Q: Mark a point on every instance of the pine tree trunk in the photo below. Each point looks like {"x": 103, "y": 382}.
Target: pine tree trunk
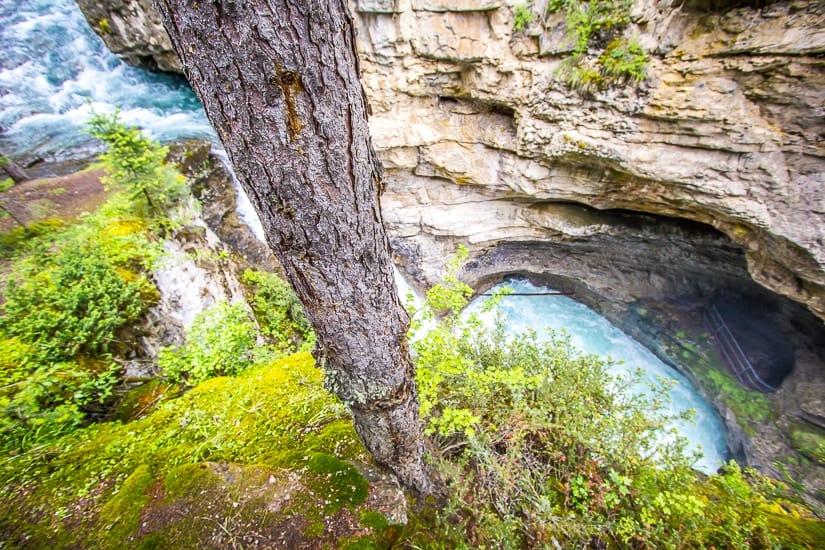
{"x": 280, "y": 84}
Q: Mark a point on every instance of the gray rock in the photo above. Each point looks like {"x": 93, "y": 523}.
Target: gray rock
{"x": 132, "y": 29}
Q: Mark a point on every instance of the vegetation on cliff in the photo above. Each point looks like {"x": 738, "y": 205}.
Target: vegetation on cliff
{"x": 600, "y": 53}
{"x": 539, "y": 445}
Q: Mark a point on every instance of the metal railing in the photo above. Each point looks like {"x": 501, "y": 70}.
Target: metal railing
{"x": 740, "y": 365}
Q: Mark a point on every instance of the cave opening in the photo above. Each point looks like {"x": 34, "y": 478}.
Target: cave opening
{"x": 660, "y": 278}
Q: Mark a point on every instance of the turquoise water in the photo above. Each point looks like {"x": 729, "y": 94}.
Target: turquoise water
{"x": 54, "y": 70}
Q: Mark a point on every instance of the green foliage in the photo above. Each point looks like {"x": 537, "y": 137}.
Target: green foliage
{"x": 86, "y": 490}
{"x": 279, "y": 312}
{"x": 523, "y": 15}
{"x": 597, "y": 25}
{"x": 541, "y": 445}
{"x": 137, "y": 163}
{"x": 747, "y": 405}
{"x": 219, "y": 343}
{"x": 623, "y": 59}
{"x": 6, "y": 184}
{"x": 20, "y": 239}
{"x": 809, "y": 441}
{"x": 69, "y": 292}
{"x": 72, "y": 303}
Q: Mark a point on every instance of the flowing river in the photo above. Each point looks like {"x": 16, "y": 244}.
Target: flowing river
{"x": 54, "y": 71}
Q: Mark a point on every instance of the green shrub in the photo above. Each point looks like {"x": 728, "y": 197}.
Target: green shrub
{"x": 70, "y": 305}
{"x": 219, "y": 343}
{"x": 624, "y": 60}
{"x": 522, "y": 15}
{"x": 279, "y": 312}
{"x": 542, "y": 446}
{"x": 137, "y": 163}
{"x": 597, "y": 25}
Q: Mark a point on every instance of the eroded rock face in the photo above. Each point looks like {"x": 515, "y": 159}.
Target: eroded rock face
{"x": 726, "y": 131}
{"x": 478, "y": 135}
{"x": 132, "y": 29}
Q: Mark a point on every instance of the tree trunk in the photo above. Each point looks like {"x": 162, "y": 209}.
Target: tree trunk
{"x": 280, "y": 84}
{"x": 14, "y": 170}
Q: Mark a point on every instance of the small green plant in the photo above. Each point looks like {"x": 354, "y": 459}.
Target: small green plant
{"x": 623, "y": 59}
{"x": 522, "y": 15}
{"x": 598, "y": 25}
{"x": 137, "y": 163}
{"x": 279, "y": 312}
{"x": 219, "y": 343}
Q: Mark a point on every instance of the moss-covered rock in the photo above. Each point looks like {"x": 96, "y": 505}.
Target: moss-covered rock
{"x": 265, "y": 458}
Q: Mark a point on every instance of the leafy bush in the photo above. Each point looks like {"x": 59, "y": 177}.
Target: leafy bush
{"x": 623, "y": 59}
{"x": 543, "y": 447}
{"x": 70, "y": 305}
{"x": 70, "y": 291}
{"x": 219, "y": 343}
{"x": 279, "y": 312}
{"x": 597, "y": 24}
{"x": 522, "y": 16}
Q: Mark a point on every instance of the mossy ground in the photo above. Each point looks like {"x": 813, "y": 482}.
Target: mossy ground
{"x": 262, "y": 459}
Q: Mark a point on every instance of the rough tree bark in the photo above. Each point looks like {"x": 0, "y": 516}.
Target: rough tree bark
{"x": 280, "y": 83}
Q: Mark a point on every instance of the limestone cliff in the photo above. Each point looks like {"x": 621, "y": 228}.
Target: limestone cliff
{"x": 471, "y": 115}
{"x": 480, "y": 136}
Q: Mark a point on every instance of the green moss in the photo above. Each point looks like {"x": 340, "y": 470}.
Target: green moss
{"x": 373, "y": 519}
{"x": 361, "y": 543}
{"x": 336, "y": 481}
{"x": 809, "y": 441}
{"x": 187, "y": 479}
{"x": 257, "y": 419}
{"x": 141, "y": 400}
{"x": 797, "y": 533}
{"x": 120, "y": 516}
{"x": 746, "y": 404}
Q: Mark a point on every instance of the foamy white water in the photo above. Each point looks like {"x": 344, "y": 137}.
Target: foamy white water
{"x": 54, "y": 71}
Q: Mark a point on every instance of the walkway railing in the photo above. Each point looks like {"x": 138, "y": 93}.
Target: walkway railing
{"x": 740, "y": 365}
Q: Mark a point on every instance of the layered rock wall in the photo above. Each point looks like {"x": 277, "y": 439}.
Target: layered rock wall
{"x": 480, "y": 137}
{"x": 479, "y": 134}
{"x": 132, "y": 29}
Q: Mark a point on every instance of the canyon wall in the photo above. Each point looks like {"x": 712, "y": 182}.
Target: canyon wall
{"x": 482, "y": 139}
{"x": 647, "y": 200}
